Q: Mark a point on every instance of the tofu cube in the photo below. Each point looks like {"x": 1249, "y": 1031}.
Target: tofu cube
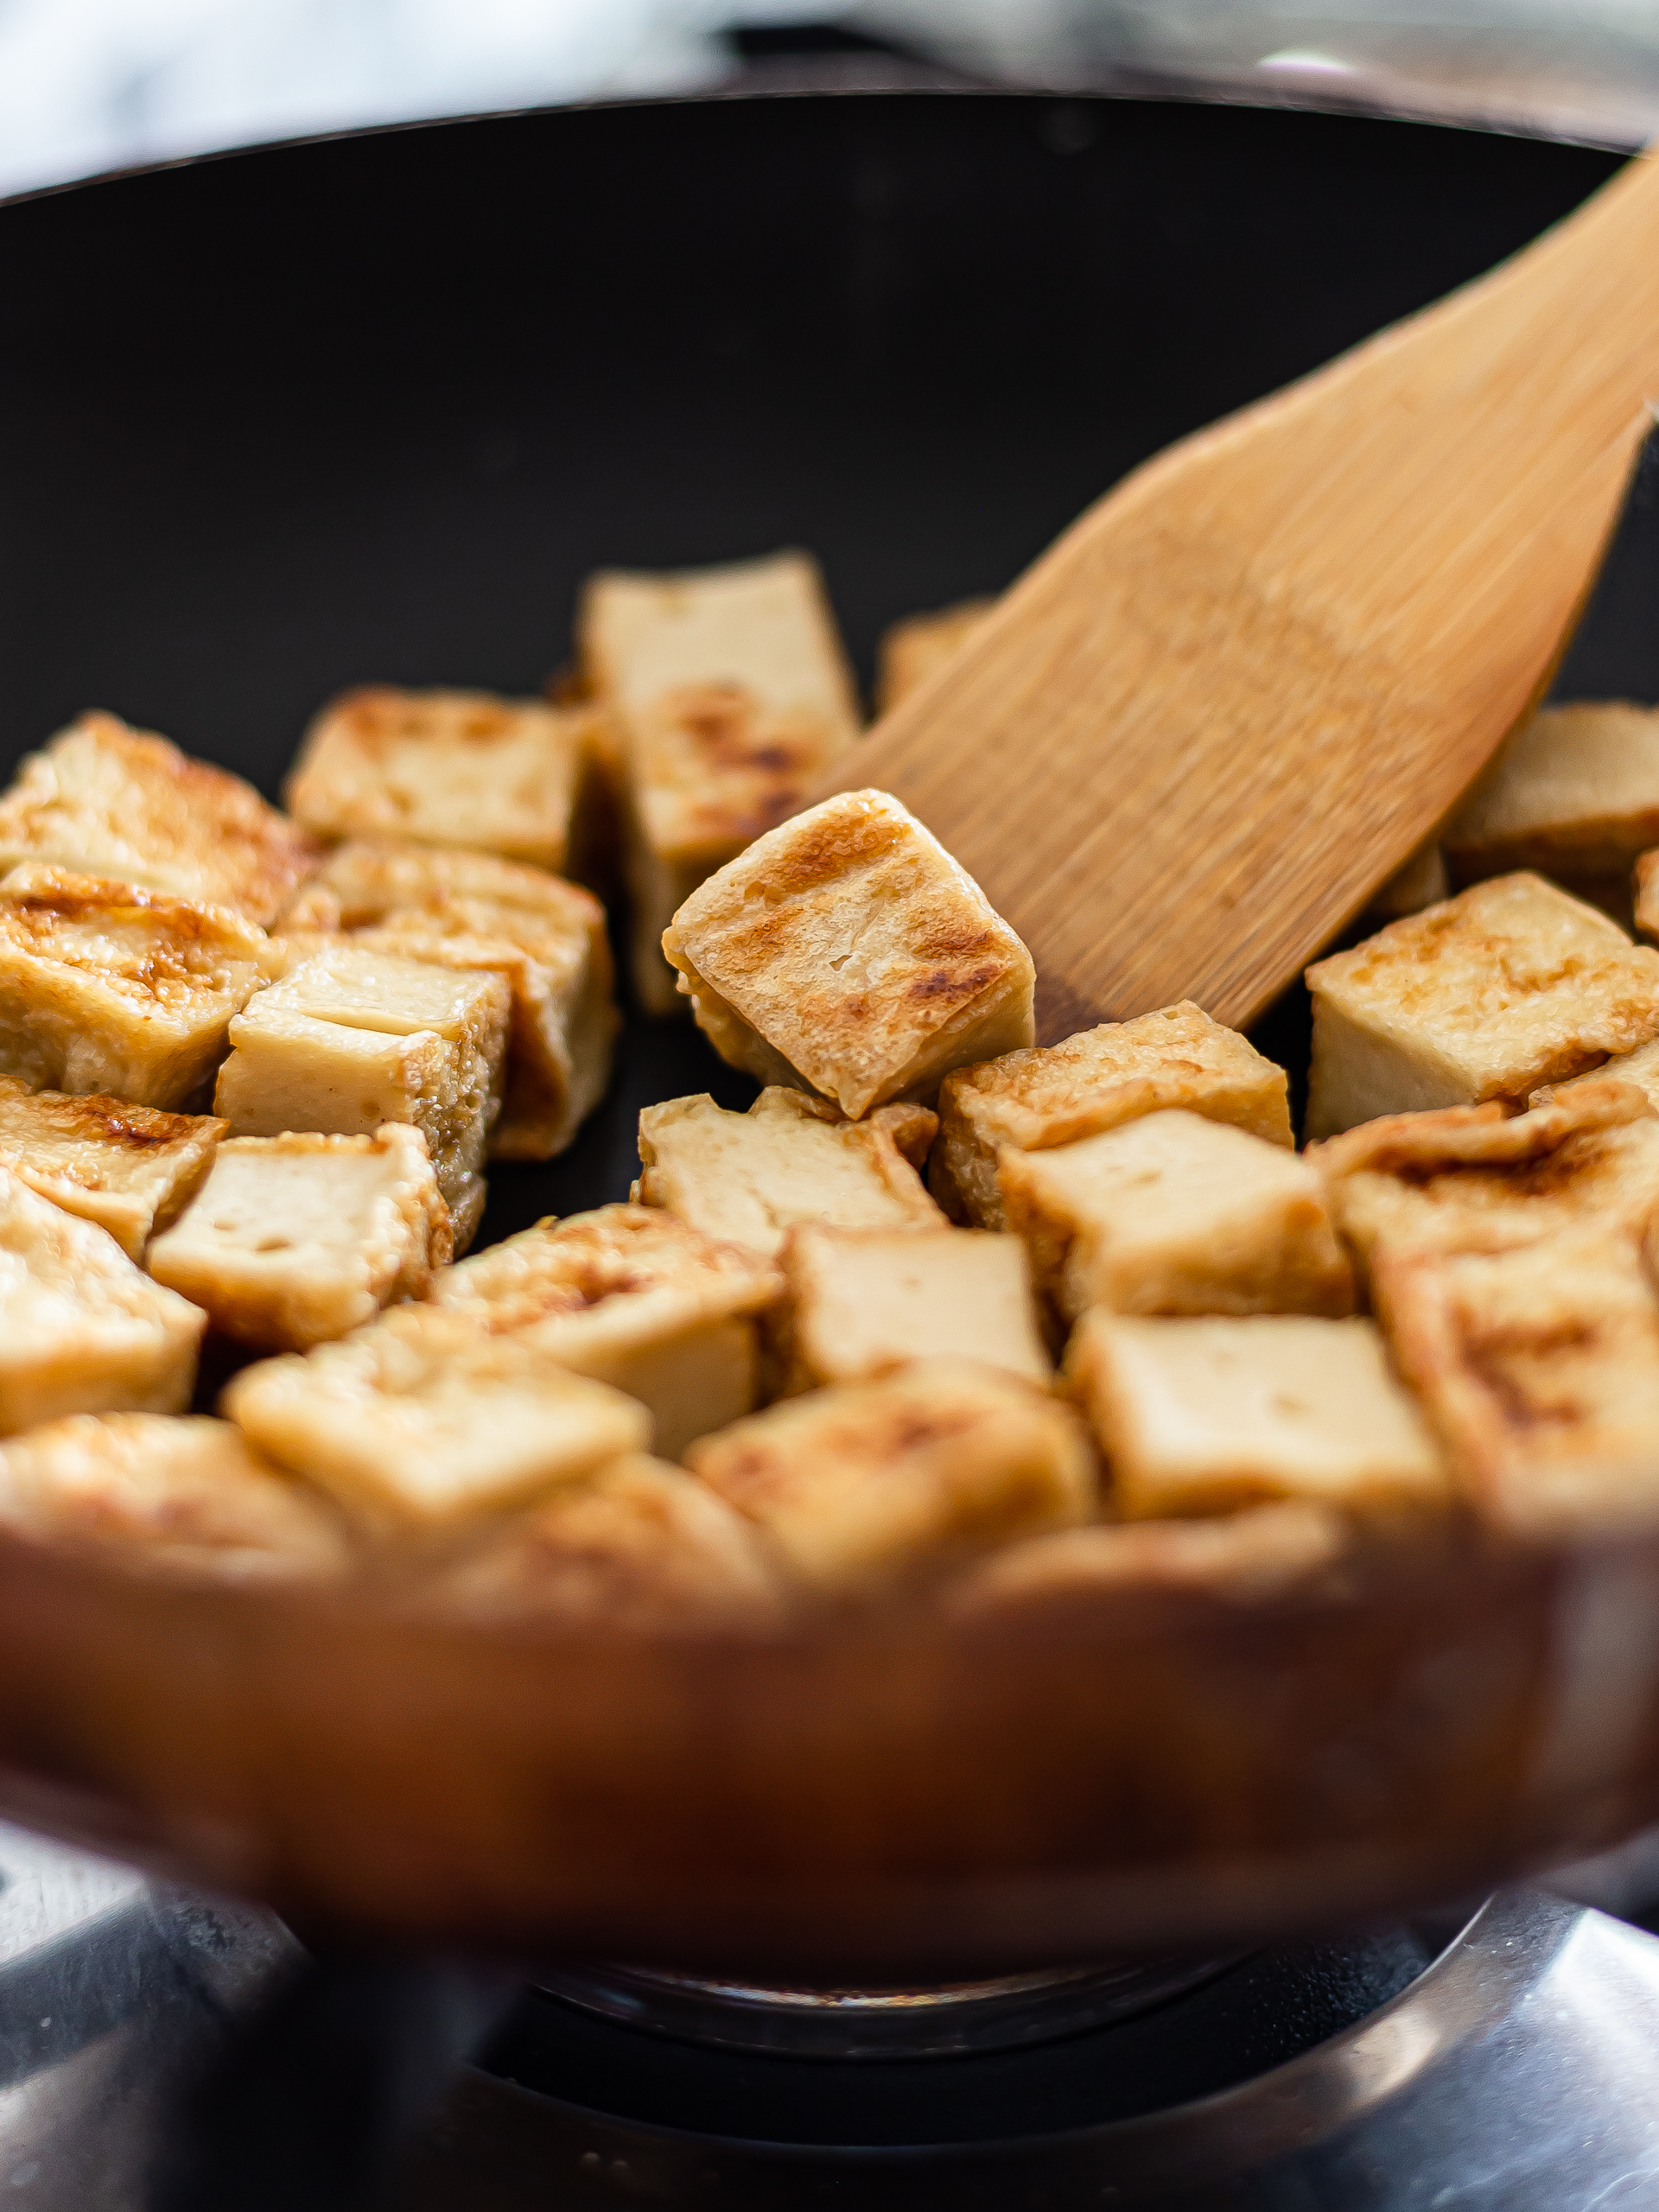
{"x": 1487, "y": 995}
{"x": 849, "y": 953}
{"x": 1640, "y": 1067}
{"x": 638, "y": 1546}
{"x": 423, "y": 1425}
{"x": 912, "y": 649}
{"x": 730, "y": 695}
{"x": 1471, "y": 1178}
{"x": 82, "y": 1330}
{"x": 184, "y": 1497}
{"x": 106, "y": 988}
{"x": 870, "y": 1485}
{"x": 298, "y": 1239}
{"x": 1573, "y": 793}
{"x": 104, "y": 800}
{"x": 1057, "y": 1094}
{"x": 128, "y": 1168}
{"x": 445, "y": 768}
{"x": 858, "y": 1302}
{"x": 1246, "y": 1558}
{"x": 789, "y": 1161}
{"x": 1206, "y": 1416}
{"x": 1173, "y": 1214}
{"x": 634, "y": 1298}
{"x": 1540, "y": 1368}
{"x": 353, "y": 1037}
{"x": 470, "y": 909}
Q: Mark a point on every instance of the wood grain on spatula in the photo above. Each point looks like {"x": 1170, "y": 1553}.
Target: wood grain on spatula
{"x": 1231, "y": 698}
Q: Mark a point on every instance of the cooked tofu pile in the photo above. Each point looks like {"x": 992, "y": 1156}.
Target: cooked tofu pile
{"x": 944, "y": 1318}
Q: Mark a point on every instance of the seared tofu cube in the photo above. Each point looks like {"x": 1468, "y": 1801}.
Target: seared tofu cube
{"x": 184, "y": 1498}
{"x": 730, "y": 695}
{"x": 858, "y": 1302}
{"x": 298, "y": 1239}
{"x": 1640, "y": 1067}
{"x": 104, "y": 800}
{"x": 1206, "y": 1416}
{"x": 470, "y": 909}
{"x": 634, "y": 1298}
{"x": 872, "y": 1485}
{"x": 1472, "y": 1179}
{"x": 82, "y": 1330}
{"x": 422, "y": 1424}
{"x": 1057, "y": 1094}
{"x": 353, "y": 1037}
{"x": 912, "y": 649}
{"x": 128, "y": 1168}
{"x": 445, "y": 768}
{"x": 847, "y": 952}
{"x": 1573, "y": 793}
{"x": 109, "y": 988}
{"x": 1540, "y": 1368}
{"x": 1246, "y": 1558}
{"x": 1487, "y": 995}
{"x": 790, "y": 1159}
{"x": 638, "y": 1546}
{"x": 1173, "y": 1214}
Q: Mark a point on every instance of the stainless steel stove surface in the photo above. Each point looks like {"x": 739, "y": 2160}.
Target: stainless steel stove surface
{"x": 1511, "y": 2062}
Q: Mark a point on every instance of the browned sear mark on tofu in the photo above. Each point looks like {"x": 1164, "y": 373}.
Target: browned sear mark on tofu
{"x": 944, "y": 985}
{"x": 112, "y": 1120}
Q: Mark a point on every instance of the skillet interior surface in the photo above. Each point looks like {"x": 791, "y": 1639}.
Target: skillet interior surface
{"x": 369, "y": 409}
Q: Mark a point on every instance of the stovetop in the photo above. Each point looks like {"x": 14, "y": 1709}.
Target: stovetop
{"x": 1507, "y": 2059}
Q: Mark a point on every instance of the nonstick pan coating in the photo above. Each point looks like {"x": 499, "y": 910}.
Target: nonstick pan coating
{"x": 368, "y": 410}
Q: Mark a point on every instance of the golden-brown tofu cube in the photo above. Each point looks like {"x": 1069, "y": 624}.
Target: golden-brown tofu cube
{"x": 298, "y": 1239}
{"x": 1487, "y": 995}
{"x": 445, "y": 768}
{"x": 1173, "y": 1214}
{"x": 638, "y": 1546}
{"x": 858, "y": 1302}
{"x": 422, "y": 1423}
{"x": 107, "y": 988}
{"x": 1057, "y": 1094}
{"x": 730, "y": 695}
{"x": 470, "y": 909}
{"x": 789, "y": 1161}
{"x": 355, "y": 1037}
{"x": 128, "y": 1168}
{"x": 849, "y": 953}
{"x": 635, "y": 1298}
{"x": 1206, "y": 1416}
{"x": 82, "y": 1330}
{"x": 1573, "y": 793}
{"x": 1540, "y": 1368}
{"x": 1247, "y": 1558}
{"x": 1640, "y": 1067}
{"x": 181, "y": 1496}
{"x": 912, "y": 649}
{"x": 872, "y": 1485}
{"x": 1472, "y": 1179}
{"x": 104, "y": 800}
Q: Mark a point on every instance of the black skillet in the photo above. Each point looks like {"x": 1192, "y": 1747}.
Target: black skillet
{"x": 369, "y": 409}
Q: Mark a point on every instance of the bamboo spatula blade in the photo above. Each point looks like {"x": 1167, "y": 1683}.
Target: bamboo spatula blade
{"x": 1235, "y": 694}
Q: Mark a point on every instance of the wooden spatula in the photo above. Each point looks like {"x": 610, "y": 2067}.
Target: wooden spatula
{"x": 1226, "y": 705}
